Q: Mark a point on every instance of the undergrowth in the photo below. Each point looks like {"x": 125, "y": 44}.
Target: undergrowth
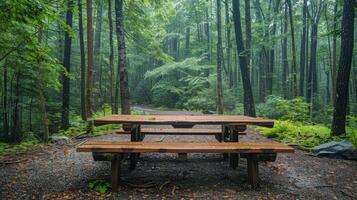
{"x": 305, "y": 136}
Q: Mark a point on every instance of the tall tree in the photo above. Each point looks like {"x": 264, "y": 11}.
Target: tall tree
{"x": 111, "y": 59}
{"x": 284, "y": 56}
{"x": 123, "y": 74}
{"x": 229, "y": 44}
{"x": 98, "y": 75}
{"x": 90, "y": 62}
{"x": 5, "y": 104}
{"x": 67, "y": 66}
{"x": 249, "y": 108}
{"x": 314, "y": 15}
{"x": 334, "y": 52}
{"x": 303, "y": 50}
{"x": 293, "y": 68}
{"x": 219, "y": 60}
{"x": 248, "y": 30}
{"x": 342, "y": 84}
{"x": 83, "y": 61}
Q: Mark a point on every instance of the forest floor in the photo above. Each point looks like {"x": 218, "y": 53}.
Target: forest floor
{"x": 59, "y": 172}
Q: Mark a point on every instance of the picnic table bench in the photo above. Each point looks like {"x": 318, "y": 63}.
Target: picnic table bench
{"x": 228, "y": 140}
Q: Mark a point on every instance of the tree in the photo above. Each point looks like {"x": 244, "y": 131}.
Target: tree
{"x": 293, "y": 68}
{"x": 111, "y": 59}
{"x": 344, "y": 70}
{"x": 90, "y": 62}
{"x": 334, "y": 52}
{"x": 284, "y": 56}
{"x": 83, "y": 62}
{"x": 67, "y": 66}
{"x": 122, "y": 71}
{"x": 219, "y": 60}
{"x": 97, "y": 54}
{"x": 249, "y": 108}
{"x": 303, "y": 50}
{"x": 314, "y": 17}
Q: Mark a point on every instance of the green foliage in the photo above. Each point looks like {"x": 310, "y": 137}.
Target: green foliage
{"x": 305, "y": 136}
{"x": 99, "y": 186}
{"x": 26, "y": 144}
{"x": 276, "y": 107}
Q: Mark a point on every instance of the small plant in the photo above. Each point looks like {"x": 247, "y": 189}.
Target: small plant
{"x": 99, "y": 186}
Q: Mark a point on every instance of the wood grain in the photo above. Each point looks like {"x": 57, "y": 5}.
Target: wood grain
{"x": 176, "y": 131}
{"x": 234, "y": 120}
{"x": 173, "y": 147}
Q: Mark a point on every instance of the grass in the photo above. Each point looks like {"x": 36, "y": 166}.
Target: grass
{"x": 305, "y": 136}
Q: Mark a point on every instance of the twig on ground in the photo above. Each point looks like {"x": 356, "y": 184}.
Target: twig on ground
{"x": 145, "y": 185}
{"x": 165, "y": 183}
{"x": 173, "y": 191}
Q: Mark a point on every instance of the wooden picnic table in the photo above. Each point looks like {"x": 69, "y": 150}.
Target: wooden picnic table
{"x": 232, "y": 125}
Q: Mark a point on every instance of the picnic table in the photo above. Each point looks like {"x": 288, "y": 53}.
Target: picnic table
{"x": 228, "y": 139}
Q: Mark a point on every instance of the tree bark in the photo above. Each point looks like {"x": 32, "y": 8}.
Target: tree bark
{"x": 303, "y": 50}
{"x": 249, "y": 108}
{"x": 90, "y": 67}
{"x": 67, "y": 66}
{"x": 284, "y": 55}
{"x": 111, "y": 60}
{"x": 5, "y": 106}
{"x": 219, "y": 60}
{"x": 123, "y": 74}
{"x": 248, "y": 30}
{"x": 342, "y": 84}
{"x": 83, "y": 62}
{"x": 293, "y": 68}
{"x": 229, "y": 45}
{"x": 98, "y": 74}
{"x": 334, "y": 53}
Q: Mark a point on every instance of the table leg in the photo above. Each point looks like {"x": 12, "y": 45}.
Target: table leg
{"x": 135, "y": 136}
{"x": 233, "y": 132}
{"x": 115, "y": 171}
{"x": 253, "y": 170}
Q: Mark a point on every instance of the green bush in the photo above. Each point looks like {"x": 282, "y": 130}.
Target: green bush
{"x": 276, "y": 107}
{"x": 99, "y": 186}
{"x": 305, "y": 136}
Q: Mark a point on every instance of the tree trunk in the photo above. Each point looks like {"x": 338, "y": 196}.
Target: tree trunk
{"x": 339, "y": 113}
{"x": 15, "y": 112}
{"x": 90, "y": 67}
{"x": 293, "y": 68}
{"x": 219, "y": 60}
{"x": 83, "y": 62}
{"x": 249, "y": 108}
{"x": 111, "y": 60}
{"x": 229, "y": 45}
{"x": 67, "y": 66}
{"x": 312, "y": 77}
{"x": 98, "y": 74}
{"x": 303, "y": 50}
{"x": 284, "y": 55}
{"x": 6, "y": 109}
{"x": 123, "y": 74}
{"x": 187, "y": 41}
{"x": 248, "y": 31}
{"x": 334, "y": 53}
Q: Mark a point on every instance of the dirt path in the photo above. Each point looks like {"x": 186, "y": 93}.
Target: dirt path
{"x": 59, "y": 172}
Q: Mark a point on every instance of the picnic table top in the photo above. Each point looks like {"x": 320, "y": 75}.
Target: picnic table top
{"x": 183, "y": 120}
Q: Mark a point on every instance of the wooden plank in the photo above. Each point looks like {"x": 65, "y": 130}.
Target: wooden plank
{"x": 176, "y": 131}
{"x": 151, "y": 147}
{"x": 184, "y": 120}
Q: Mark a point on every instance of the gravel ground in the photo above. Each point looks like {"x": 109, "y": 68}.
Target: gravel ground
{"x": 59, "y": 172}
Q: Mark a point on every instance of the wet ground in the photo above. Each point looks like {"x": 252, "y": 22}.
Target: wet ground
{"x": 59, "y": 172}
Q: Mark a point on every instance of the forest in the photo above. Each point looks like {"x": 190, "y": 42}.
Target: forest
{"x": 65, "y": 62}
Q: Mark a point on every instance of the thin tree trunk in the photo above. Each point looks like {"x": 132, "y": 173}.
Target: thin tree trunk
{"x": 312, "y": 77}
{"x": 67, "y": 66}
{"x": 219, "y": 60}
{"x": 187, "y": 41}
{"x": 83, "y": 62}
{"x": 90, "y": 67}
{"x": 293, "y": 69}
{"x": 248, "y": 31}
{"x": 98, "y": 74}
{"x": 111, "y": 60}
{"x": 5, "y": 106}
{"x": 123, "y": 74}
{"x": 284, "y": 55}
{"x": 342, "y": 84}
{"x": 303, "y": 50}
{"x": 249, "y": 108}
{"x": 334, "y": 53}
{"x": 15, "y": 112}
{"x": 229, "y": 45}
